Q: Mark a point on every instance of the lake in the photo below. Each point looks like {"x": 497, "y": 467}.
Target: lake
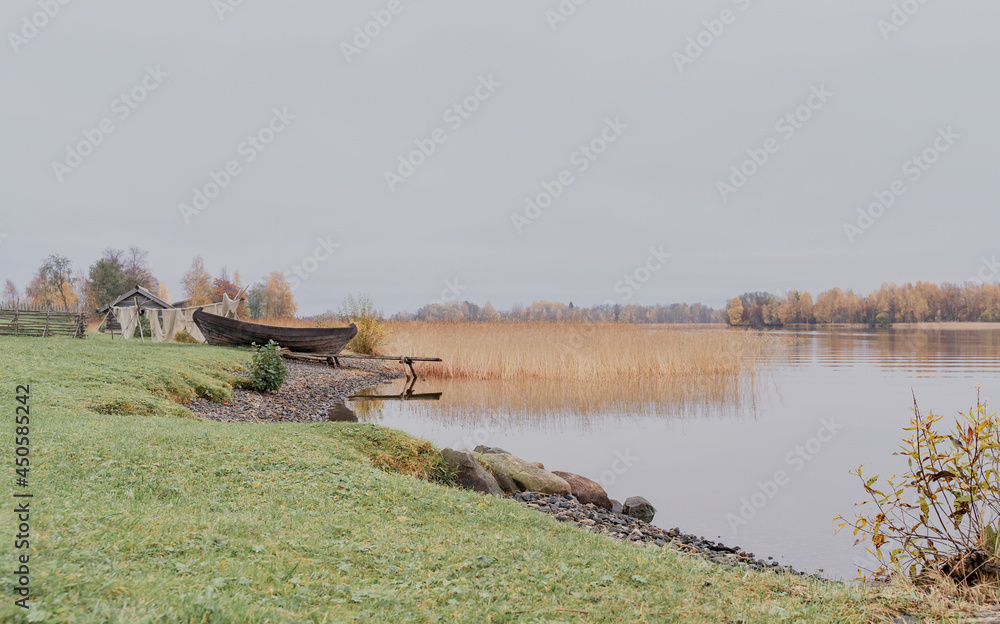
{"x": 759, "y": 463}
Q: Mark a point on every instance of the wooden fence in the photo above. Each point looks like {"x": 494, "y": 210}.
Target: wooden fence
{"x": 16, "y": 321}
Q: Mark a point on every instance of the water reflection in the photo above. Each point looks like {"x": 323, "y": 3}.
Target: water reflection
{"x": 407, "y": 394}
{"x": 539, "y": 402}
{"x": 341, "y": 413}
{"x": 926, "y": 350}
{"x": 704, "y": 445}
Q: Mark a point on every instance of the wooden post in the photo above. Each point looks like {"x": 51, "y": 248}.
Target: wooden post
{"x": 45, "y": 332}
{"x": 104, "y": 322}
{"x": 138, "y": 319}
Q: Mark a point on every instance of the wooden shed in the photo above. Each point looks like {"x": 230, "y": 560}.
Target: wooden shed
{"x": 138, "y": 296}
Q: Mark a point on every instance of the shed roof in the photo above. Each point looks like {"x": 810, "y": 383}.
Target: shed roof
{"x": 140, "y": 295}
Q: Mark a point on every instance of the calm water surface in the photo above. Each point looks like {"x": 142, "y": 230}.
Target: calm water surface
{"x": 707, "y": 457}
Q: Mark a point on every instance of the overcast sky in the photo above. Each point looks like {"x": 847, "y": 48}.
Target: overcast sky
{"x": 664, "y": 120}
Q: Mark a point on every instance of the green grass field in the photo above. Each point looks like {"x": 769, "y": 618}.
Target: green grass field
{"x": 144, "y": 514}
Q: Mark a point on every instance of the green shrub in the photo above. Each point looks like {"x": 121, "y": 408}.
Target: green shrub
{"x": 267, "y": 370}
{"x": 147, "y": 330}
{"x": 882, "y": 320}
{"x": 372, "y": 331}
{"x": 184, "y": 337}
{"x": 940, "y": 519}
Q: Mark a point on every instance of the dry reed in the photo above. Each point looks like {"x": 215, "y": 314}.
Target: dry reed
{"x": 581, "y": 352}
{"x": 542, "y": 402}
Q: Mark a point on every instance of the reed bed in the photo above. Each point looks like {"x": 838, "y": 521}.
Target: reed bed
{"x": 580, "y": 352}
{"x": 562, "y": 405}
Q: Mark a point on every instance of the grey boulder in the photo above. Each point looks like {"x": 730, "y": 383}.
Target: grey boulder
{"x": 639, "y": 508}
{"x": 489, "y": 450}
{"x": 470, "y": 473}
{"x": 513, "y": 474}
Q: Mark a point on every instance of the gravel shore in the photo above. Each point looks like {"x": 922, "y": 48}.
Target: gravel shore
{"x": 625, "y": 528}
{"x": 309, "y": 391}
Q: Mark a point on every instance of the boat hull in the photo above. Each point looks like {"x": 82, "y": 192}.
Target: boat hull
{"x": 219, "y": 330}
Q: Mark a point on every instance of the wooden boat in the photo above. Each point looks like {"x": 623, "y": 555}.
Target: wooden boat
{"x": 219, "y": 330}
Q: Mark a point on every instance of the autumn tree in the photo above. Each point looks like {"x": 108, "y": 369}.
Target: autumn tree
{"x": 82, "y": 289}
{"x": 197, "y": 283}
{"x": 163, "y": 292}
{"x": 734, "y": 312}
{"x": 53, "y": 283}
{"x": 488, "y": 313}
{"x": 10, "y": 294}
{"x": 135, "y": 266}
{"x": 278, "y": 300}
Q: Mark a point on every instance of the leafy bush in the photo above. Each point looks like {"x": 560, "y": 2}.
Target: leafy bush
{"x": 267, "y": 370}
{"x": 372, "y": 331}
{"x": 185, "y": 337}
{"x": 940, "y": 519}
{"x": 145, "y": 327}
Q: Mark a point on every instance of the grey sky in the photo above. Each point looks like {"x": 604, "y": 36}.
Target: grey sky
{"x": 656, "y": 185}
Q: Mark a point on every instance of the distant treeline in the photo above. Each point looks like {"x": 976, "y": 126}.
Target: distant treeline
{"x": 909, "y": 303}
{"x": 890, "y": 303}
{"x": 560, "y": 312}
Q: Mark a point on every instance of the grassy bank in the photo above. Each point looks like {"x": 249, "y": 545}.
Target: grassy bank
{"x": 144, "y": 516}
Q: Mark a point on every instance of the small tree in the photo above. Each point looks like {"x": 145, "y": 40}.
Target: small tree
{"x": 942, "y": 516}
{"x": 372, "y": 331}
{"x": 267, "y": 369}
{"x": 255, "y": 301}
{"x": 197, "y": 283}
{"x": 278, "y": 299}
{"x": 734, "y": 312}
{"x": 10, "y": 293}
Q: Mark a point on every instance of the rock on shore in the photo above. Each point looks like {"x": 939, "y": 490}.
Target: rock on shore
{"x": 513, "y": 474}
{"x": 626, "y": 528}
{"x": 470, "y": 473}
{"x": 586, "y": 490}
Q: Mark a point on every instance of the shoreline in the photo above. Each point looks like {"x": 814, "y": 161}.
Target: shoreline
{"x": 321, "y": 387}
{"x": 308, "y": 392}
